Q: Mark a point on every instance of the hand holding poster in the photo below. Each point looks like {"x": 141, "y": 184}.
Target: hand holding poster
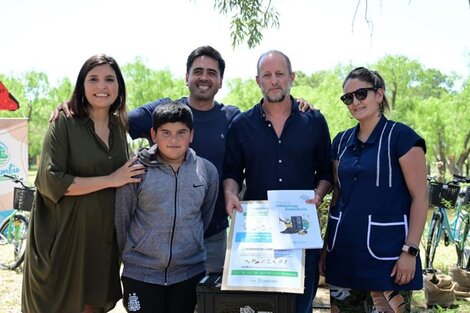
{"x": 251, "y": 263}
{"x": 295, "y": 222}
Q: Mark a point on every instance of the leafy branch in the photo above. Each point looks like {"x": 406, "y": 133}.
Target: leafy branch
{"x": 249, "y": 19}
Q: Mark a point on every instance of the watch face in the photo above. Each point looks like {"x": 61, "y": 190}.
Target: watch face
{"x": 413, "y": 251}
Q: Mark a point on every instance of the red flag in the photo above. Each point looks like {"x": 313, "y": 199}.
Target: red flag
{"x": 7, "y": 101}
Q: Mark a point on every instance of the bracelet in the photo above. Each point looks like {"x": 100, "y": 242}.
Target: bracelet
{"x": 411, "y": 245}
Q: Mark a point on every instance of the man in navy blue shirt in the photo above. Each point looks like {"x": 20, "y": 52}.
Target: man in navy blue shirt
{"x": 274, "y": 147}
{"x": 205, "y": 69}
{"x": 204, "y": 74}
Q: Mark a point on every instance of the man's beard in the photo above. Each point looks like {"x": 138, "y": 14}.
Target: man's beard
{"x": 275, "y": 99}
{"x": 199, "y": 95}
{"x": 203, "y": 97}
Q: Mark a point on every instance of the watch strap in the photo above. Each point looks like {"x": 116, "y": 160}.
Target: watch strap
{"x": 411, "y": 249}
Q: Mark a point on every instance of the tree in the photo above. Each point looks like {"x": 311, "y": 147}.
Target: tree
{"x": 38, "y": 99}
{"x": 41, "y": 110}
{"x": 462, "y": 123}
{"x": 32, "y": 90}
{"x": 251, "y": 17}
{"x": 401, "y": 76}
{"x": 243, "y": 93}
{"x": 145, "y": 85}
{"x": 422, "y": 98}
{"x": 425, "y": 99}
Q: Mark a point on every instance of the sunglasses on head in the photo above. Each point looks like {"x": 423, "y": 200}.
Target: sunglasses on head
{"x": 360, "y": 94}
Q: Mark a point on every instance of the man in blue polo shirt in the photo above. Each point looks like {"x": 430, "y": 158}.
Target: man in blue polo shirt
{"x": 204, "y": 75}
{"x": 274, "y": 147}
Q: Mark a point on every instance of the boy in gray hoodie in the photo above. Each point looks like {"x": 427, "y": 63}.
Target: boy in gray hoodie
{"x": 160, "y": 221}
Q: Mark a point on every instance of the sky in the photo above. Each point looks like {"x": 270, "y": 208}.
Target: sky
{"x": 57, "y": 36}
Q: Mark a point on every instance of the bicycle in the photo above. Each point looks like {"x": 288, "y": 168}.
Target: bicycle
{"x": 14, "y": 228}
{"x": 443, "y": 196}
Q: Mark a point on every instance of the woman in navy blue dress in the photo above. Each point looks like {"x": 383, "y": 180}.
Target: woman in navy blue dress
{"x": 371, "y": 252}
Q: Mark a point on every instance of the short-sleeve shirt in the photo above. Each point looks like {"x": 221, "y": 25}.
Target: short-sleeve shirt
{"x": 369, "y": 224}
{"x": 72, "y": 257}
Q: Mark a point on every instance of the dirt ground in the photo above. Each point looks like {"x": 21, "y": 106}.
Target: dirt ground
{"x": 10, "y": 295}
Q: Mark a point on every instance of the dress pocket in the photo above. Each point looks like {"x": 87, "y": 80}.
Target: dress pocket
{"x": 333, "y": 225}
{"x": 385, "y": 236}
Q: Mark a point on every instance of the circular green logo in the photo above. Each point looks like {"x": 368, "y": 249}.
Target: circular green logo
{"x": 4, "y": 157}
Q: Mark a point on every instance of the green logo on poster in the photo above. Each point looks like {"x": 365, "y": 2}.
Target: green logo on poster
{"x": 4, "y": 157}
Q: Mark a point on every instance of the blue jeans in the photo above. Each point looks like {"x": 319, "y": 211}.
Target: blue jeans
{"x": 304, "y": 302}
{"x": 215, "y": 250}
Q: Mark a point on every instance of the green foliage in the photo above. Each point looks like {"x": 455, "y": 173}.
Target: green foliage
{"x": 425, "y": 99}
{"x": 145, "y": 85}
{"x": 38, "y": 99}
{"x": 243, "y": 93}
{"x": 33, "y": 92}
{"x": 422, "y": 98}
{"x": 326, "y": 90}
{"x": 249, "y": 18}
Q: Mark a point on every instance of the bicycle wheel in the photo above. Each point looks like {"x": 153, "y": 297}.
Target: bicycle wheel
{"x": 434, "y": 235}
{"x": 13, "y": 232}
{"x": 463, "y": 250}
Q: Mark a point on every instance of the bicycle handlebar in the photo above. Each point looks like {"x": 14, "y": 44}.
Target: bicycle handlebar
{"x": 431, "y": 178}
{"x": 16, "y": 179}
{"x": 461, "y": 179}
{"x": 457, "y": 180}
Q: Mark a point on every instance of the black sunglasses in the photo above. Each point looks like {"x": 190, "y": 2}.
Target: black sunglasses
{"x": 360, "y": 94}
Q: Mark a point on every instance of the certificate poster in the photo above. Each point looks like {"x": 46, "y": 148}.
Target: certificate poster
{"x": 295, "y": 222}
{"x": 251, "y": 263}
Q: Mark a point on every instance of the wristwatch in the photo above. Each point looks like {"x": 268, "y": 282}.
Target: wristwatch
{"x": 410, "y": 249}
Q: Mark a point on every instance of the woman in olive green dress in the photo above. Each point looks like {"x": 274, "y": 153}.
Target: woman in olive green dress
{"x": 72, "y": 262}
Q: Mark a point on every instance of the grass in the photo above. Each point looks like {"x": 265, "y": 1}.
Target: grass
{"x": 444, "y": 259}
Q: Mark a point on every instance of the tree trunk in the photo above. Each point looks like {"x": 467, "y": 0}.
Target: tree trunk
{"x": 463, "y": 158}
{"x": 441, "y": 155}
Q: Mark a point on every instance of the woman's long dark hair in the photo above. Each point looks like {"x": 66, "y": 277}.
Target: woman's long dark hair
{"x": 78, "y": 103}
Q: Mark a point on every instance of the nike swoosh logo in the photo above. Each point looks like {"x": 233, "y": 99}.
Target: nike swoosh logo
{"x": 195, "y": 186}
